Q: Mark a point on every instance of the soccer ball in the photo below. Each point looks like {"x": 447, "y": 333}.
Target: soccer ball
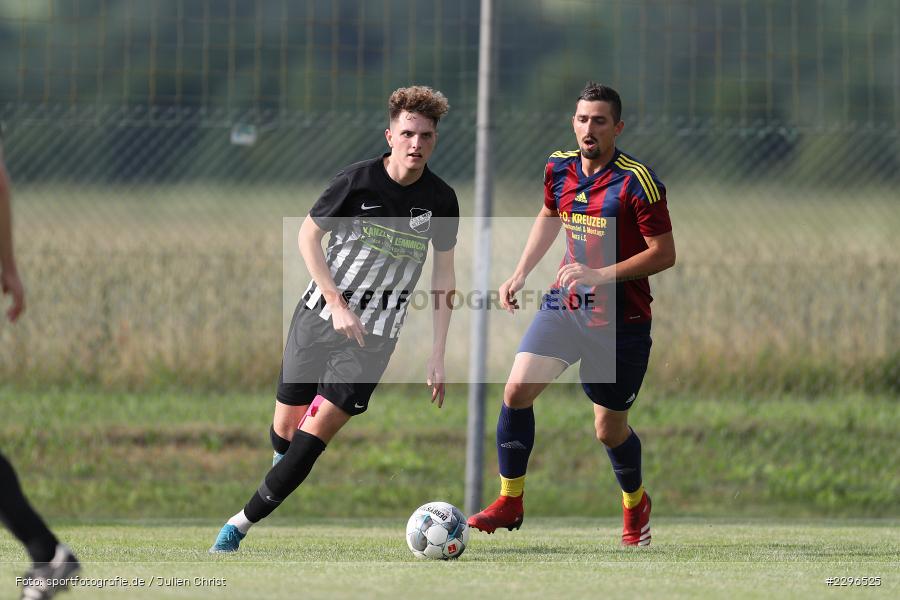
{"x": 437, "y": 530}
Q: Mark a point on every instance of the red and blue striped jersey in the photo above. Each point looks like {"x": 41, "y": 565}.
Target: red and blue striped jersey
{"x": 625, "y": 195}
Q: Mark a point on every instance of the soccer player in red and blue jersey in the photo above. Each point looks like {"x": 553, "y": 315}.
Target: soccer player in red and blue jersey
{"x": 618, "y": 232}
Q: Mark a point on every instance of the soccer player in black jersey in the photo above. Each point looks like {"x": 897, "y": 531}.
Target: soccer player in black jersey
{"x": 53, "y": 561}
{"x": 381, "y": 215}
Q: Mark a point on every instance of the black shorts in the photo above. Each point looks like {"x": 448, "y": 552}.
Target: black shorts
{"x": 613, "y": 361}
{"x": 320, "y": 361}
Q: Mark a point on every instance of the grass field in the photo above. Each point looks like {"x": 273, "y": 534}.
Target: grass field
{"x": 184, "y": 455}
{"x": 548, "y": 558}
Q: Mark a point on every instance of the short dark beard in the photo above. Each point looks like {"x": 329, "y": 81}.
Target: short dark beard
{"x": 592, "y": 155}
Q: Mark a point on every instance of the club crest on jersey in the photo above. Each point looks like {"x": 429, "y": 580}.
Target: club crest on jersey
{"x": 419, "y": 219}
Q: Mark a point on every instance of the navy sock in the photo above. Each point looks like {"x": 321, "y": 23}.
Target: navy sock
{"x": 286, "y": 476}
{"x": 279, "y": 444}
{"x": 626, "y": 462}
{"x": 24, "y": 523}
{"x": 515, "y": 439}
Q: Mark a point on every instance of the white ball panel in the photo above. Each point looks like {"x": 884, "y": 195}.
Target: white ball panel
{"x": 434, "y": 551}
{"x": 436, "y": 535}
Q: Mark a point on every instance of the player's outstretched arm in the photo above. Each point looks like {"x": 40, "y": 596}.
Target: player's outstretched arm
{"x": 9, "y": 275}
{"x": 544, "y": 231}
{"x": 443, "y": 285}
{"x": 344, "y": 320}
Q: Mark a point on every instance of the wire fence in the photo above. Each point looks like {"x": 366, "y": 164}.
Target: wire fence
{"x": 804, "y": 62}
{"x": 156, "y": 147}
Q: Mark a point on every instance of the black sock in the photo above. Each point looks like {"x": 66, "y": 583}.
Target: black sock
{"x": 279, "y": 444}
{"x": 21, "y": 519}
{"x": 286, "y": 476}
{"x": 515, "y": 439}
{"x": 626, "y": 462}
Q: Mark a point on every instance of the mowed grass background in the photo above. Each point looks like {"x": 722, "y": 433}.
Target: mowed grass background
{"x": 776, "y": 289}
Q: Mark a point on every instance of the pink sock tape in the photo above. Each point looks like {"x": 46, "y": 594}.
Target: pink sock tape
{"x": 312, "y": 410}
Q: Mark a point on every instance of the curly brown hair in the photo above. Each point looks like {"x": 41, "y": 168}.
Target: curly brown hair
{"x": 418, "y": 99}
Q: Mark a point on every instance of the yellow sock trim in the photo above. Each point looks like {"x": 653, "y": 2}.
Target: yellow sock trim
{"x": 632, "y": 499}
{"x": 512, "y": 487}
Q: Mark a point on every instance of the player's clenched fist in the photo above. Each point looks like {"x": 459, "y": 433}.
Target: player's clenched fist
{"x": 580, "y": 274}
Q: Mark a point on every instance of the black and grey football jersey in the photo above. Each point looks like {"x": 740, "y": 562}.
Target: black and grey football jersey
{"x": 379, "y": 237}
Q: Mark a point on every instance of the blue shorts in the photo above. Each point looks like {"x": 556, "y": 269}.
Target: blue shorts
{"x": 613, "y": 362}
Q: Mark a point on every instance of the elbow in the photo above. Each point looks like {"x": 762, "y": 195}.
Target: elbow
{"x": 667, "y": 260}
{"x": 671, "y": 259}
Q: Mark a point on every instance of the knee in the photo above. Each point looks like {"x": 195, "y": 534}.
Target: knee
{"x": 610, "y": 434}
{"x": 284, "y": 428}
{"x": 285, "y": 422}
{"x": 517, "y": 395}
